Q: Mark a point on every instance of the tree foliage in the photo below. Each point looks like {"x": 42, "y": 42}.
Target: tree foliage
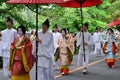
{"x": 97, "y": 16}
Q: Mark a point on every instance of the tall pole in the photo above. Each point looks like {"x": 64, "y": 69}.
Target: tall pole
{"x": 81, "y": 3}
{"x": 36, "y": 41}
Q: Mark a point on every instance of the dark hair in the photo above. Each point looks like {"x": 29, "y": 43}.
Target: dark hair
{"x": 64, "y": 29}
{"x": 55, "y": 26}
{"x": 86, "y": 24}
{"x": 96, "y": 28}
{"x": 110, "y": 30}
{"x": 32, "y": 32}
{"x": 23, "y": 28}
{"x": 9, "y": 20}
{"x": 46, "y": 22}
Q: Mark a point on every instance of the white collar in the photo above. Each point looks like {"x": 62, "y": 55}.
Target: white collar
{"x": 20, "y": 38}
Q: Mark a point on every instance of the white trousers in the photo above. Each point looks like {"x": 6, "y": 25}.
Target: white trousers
{"x": 97, "y": 48}
{"x": 81, "y": 57}
{"x": 45, "y": 74}
{"x": 5, "y": 66}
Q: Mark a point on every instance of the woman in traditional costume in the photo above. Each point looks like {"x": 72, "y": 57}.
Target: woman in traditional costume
{"x": 118, "y": 51}
{"x": 64, "y": 53}
{"x": 21, "y": 60}
{"x": 71, "y": 42}
{"x": 109, "y": 48}
{"x": 118, "y": 46}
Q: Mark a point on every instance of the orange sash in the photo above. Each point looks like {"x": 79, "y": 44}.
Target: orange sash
{"x": 114, "y": 47}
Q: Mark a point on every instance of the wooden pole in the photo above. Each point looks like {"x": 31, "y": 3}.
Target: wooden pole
{"x": 36, "y": 41}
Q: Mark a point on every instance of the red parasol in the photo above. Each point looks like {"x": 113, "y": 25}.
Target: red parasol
{"x": 80, "y": 4}
{"x": 36, "y": 2}
{"x": 85, "y": 3}
{"x": 113, "y": 23}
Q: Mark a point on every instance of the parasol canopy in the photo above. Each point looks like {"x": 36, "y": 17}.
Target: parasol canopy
{"x": 36, "y": 1}
{"x": 113, "y": 23}
{"x": 80, "y": 4}
{"x": 84, "y": 3}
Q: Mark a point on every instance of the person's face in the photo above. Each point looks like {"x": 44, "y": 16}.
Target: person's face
{"x": 109, "y": 32}
{"x": 9, "y": 24}
{"x": 44, "y": 28}
{"x": 97, "y": 30}
{"x": 55, "y": 29}
{"x": 20, "y": 32}
{"x": 63, "y": 33}
{"x": 33, "y": 32}
{"x": 85, "y": 28}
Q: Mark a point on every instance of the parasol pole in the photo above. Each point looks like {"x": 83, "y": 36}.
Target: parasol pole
{"x": 81, "y": 3}
{"x": 36, "y": 41}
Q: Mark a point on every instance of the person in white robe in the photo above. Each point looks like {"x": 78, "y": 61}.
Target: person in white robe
{"x": 56, "y": 35}
{"x": 32, "y": 36}
{"x": 87, "y": 41}
{"x": 8, "y": 36}
{"x": 97, "y": 38}
{"x": 45, "y": 52}
{"x": 0, "y": 50}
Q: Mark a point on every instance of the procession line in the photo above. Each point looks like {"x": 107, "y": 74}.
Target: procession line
{"x": 57, "y": 76}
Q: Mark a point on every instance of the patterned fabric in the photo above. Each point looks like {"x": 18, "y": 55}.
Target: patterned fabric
{"x": 109, "y": 49}
{"x": 110, "y": 45}
{"x": 64, "y": 53}
{"x": 110, "y": 62}
{"x": 23, "y": 77}
{"x": 118, "y": 46}
{"x": 21, "y": 60}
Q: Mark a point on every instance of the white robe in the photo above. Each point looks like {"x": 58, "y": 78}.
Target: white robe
{"x": 0, "y": 49}
{"x": 32, "y": 38}
{"x": 88, "y": 40}
{"x": 45, "y": 52}
{"x": 56, "y": 37}
{"x": 97, "y": 38}
{"x": 8, "y": 36}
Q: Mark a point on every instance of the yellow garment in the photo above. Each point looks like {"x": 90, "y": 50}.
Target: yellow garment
{"x": 22, "y": 77}
{"x": 12, "y": 54}
{"x": 27, "y": 69}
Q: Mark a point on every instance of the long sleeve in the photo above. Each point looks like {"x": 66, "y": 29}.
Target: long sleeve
{"x": 28, "y": 54}
{"x": 90, "y": 40}
{"x": 0, "y": 49}
{"x": 34, "y": 48}
{"x": 49, "y": 44}
{"x": 78, "y": 36}
{"x": 71, "y": 44}
{"x": 46, "y": 47}
{"x": 87, "y": 39}
{"x": 48, "y": 40}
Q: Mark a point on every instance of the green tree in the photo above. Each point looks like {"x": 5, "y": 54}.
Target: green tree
{"x": 97, "y": 16}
